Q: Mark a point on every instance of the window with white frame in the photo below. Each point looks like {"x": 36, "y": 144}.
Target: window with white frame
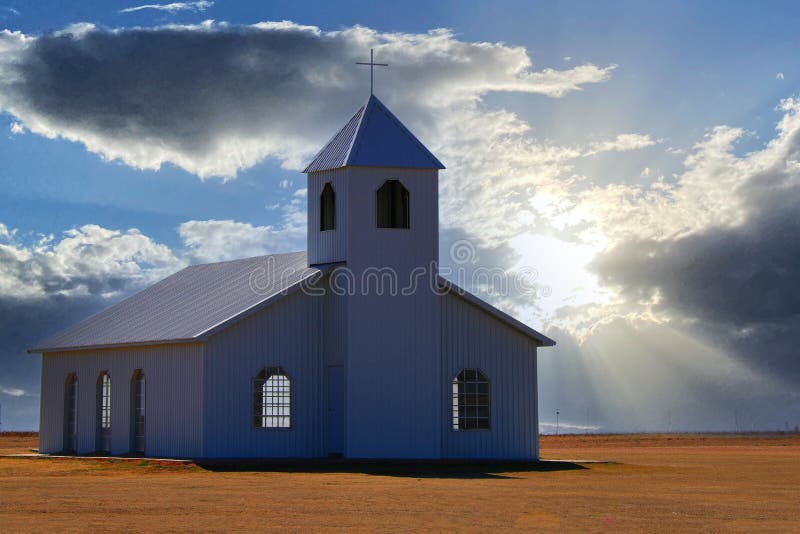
{"x": 103, "y": 430}
{"x": 272, "y": 399}
{"x": 105, "y": 401}
{"x": 137, "y": 411}
{"x": 470, "y": 400}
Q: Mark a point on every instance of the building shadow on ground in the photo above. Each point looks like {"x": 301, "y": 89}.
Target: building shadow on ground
{"x": 409, "y": 469}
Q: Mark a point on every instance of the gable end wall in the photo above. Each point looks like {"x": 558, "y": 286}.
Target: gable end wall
{"x": 173, "y": 393}
{"x": 299, "y": 332}
{"x": 473, "y": 338}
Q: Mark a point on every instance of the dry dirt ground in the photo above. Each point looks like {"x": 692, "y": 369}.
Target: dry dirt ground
{"x": 668, "y": 483}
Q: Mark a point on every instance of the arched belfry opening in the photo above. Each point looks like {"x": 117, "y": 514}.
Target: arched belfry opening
{"x": 393, "y": 205}
{"x": 374, "y": 164}
{"x": 327, "y": 208}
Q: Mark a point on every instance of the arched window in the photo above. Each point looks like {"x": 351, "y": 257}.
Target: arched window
{"x": 71, "y": 413}
{"x": 392, "y": 205}
{"x": 272, "y": 399}
{"x": 103, "y": 430}
{"x": 471, "y": 400}
{"x": 327, "y": 208}
{"x": 137, "y": 411}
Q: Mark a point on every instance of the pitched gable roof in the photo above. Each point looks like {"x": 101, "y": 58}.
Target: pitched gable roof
{"x": 188, "y": 306}
{"x": 374, "y": 137}
{"x": 198, "y": 301}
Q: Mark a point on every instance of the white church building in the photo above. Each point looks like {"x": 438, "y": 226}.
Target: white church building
{"x": 356, "y": 348}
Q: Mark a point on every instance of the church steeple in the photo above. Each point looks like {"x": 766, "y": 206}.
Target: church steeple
{"x": 374, "y": 176}
{"x": 373, "y": 205}
{"x": 374, "y": 137}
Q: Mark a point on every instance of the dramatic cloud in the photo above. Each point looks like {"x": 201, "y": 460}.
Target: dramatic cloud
{"x": 729, "y": 261}
{"x": 89, "y": 260}
{"x": 172, "y": 8}
{"x": 92, "y": 261}
{"x": 717, "y": 189}
{"x": 674, "y": 297}
{"x": 226, "y": 240}
{"x": 214, "y": 99}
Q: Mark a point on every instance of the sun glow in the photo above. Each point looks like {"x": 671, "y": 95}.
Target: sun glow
{"x": 562, "y": 269}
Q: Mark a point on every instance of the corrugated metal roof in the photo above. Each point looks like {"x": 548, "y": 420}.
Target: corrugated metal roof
{"x": 200, "y": 300}
{"x": 189, "y": 305}
{"x": 374, "y": 137}
{"x": 502, "y": 316}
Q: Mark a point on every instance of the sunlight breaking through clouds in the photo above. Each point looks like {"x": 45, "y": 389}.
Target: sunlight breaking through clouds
{"x": 685, "y": 274}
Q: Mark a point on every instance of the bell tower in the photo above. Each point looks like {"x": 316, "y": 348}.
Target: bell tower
{"x": 373, "y": 208}
{"x": 373, "y": 176}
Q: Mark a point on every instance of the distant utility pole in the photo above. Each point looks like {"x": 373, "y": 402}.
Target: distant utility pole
{"x": 557, "y": 422}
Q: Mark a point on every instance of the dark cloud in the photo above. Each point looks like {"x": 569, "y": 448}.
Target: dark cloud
{"x": 22, "y": 325}
{"x": 216, "y": 98}
{"x": 742, "y": 284}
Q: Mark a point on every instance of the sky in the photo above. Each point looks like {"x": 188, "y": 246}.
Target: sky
{"x": 638, "y": 163}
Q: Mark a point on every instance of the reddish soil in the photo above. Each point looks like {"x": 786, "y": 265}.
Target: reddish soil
{"x": 662, "y": 483}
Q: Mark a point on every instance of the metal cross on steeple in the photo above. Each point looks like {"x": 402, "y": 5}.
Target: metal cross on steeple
{"x": 372, "y": 66}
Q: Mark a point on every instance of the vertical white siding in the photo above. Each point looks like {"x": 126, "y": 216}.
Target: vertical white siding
{"x": 471, "y": 338}
{"x": 289, "y": 334}
{"x": 331, "y": 245}
{"x": 334, "y": 326}
{"x": 393, "y": 369}
{"x": 173, "y": 417}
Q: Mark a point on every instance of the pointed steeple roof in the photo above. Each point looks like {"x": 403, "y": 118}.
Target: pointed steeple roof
{"x": 374, "y": 137}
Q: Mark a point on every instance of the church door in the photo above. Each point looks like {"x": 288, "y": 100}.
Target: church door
{"x": 335, "y": 410}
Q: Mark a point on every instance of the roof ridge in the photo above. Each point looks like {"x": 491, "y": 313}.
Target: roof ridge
{"x": 329, "y": 144}
{"x": 497, "y": 313}
{"x": 358, "y": 132}
{"x": 247, "y": 258}
{"x": 410, "y": 136}
{"x": 185, "y": 303}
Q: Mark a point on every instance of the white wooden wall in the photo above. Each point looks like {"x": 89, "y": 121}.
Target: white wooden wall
{"x": 471, "y": 338}
{"x": 300, "y": 333}
{"x": 393, "y": 371}
{"x": 173, "y": 418}
{"x": 331, "y": 245}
